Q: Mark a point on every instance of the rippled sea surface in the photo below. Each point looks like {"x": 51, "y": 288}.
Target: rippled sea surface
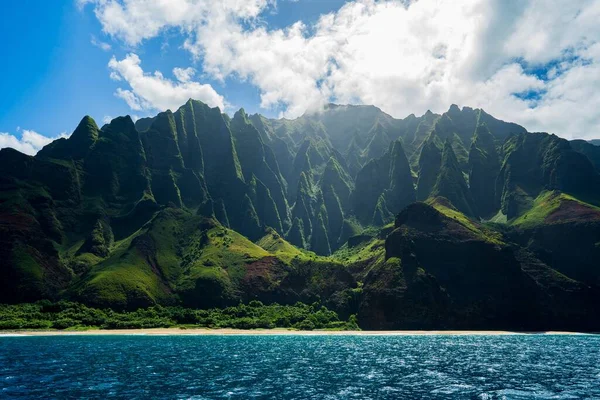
{"x": 301, "y": 367}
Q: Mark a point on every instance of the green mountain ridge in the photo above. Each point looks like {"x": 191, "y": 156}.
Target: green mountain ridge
{"x": 197, "y": 209}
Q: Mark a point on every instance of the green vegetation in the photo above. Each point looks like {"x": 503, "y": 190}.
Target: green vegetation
{"x": 451, "y": 183}
{"x": 547, "y": 203}
{"x": 198, "y": 209}
{"x": 254, "y": 315}
{"x": 275, "y": 244}
{"x": 430, "y": 160}
{"x": 370, "y": 251}
{"x": 484, "y": 166}
{"x": 445, "y": 207}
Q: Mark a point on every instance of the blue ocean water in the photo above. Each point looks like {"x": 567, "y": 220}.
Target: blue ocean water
{"x": 301, "y": 367}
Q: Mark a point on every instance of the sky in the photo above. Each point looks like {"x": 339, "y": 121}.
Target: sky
{"x": 534, "y": 62}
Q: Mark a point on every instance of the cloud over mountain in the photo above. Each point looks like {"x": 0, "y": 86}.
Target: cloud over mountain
{"x": 535, "y": 62}
{"x": 154, "y": 91}
{"x": 29, "y": 143}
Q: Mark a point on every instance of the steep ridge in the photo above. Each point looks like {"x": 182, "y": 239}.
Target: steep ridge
{"x": 193, "y": 207}
{"x": 472, "y": 279}
{"x": 534, "y": 162}
{"x": 451, "y": 183}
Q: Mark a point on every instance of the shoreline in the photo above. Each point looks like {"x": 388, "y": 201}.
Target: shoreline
{"x": 267, "y": 332}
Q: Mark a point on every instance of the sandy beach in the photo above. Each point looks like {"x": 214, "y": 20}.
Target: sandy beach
{"x": 260, "y": 332}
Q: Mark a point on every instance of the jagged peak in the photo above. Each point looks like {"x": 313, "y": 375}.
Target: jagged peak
{"x": 164, "y": 123}
{"x": 193, "y": 104}
{"x": 241, "y": 115}
{"x": 88, "y": 121}
{"x": 334, "y": 106}
{"x": 86, "y": 130}
{"x": 120, "y": 124}
{"x": 397, "y": 146}
{"x": 444, "y": 119}
{"x": 187, "y": 106}
{"x": 449, "y": 156}
{"x": 454, "y": 109}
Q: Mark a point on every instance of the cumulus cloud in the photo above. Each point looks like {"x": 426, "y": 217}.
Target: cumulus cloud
{"x": 535, "y": 62}
{"x": 154, "y": 91}
{"x": 29, "y": 143}
{"x": 184, "y": 74}
{"x": 136, "y": 20}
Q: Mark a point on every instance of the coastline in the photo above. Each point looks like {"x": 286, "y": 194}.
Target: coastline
{"x": 266, "y": 332}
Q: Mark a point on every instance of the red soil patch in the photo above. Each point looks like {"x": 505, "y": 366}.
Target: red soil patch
{"x": 261, "y": 274}
{"x": 572, "y": 210}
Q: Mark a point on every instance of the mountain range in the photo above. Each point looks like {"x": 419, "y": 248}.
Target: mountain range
{"x": 458, "y": 220}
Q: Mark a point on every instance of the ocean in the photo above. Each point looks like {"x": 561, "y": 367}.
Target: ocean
{"x": 301, "y": 367}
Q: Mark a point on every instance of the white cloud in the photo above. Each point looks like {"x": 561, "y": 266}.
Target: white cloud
{"x": 184, "y": 74}
{"x": 29, "y": 143}
{"x": 130, "y": 98}
{"x": 405, "y": 57}
{"x": 154, "y": 91}
{"x": 136, "y": 20}
{"x": 100, "y": 44}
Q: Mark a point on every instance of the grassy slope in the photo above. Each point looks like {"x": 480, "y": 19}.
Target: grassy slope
{"x": 360, "y": 259}
{"x": 176, "y": 247}
{"x": 368, "y": 251}
{"x": 548, "y": 203}
{"x": 221, "y": 254}
{"x": 443, "y": 206}
{"x": 279, "y": 247}
{"x": 177, "y": 251}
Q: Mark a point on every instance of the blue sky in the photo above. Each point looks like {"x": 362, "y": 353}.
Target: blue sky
{"x": 54, "y": 74}
{"x": 282, "y": 58}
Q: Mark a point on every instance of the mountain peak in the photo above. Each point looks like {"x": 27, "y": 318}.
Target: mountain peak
{"x": 240, "y": 115}
{"x": 86, "y": 131}
{"x": 164, "y": 123}
{"x": 77, "y": 145}
{"x": 120, "y": 124}
{"x": 453, "y": 109}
